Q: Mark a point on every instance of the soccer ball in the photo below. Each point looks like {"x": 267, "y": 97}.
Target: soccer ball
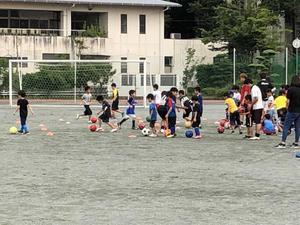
{"x": 148, "y": 119}
{"x": 94, "y": 120}
{"x": 189, "y": 134}
{"x": 13, "y": 130}
{"x": 93, "y": 128}
{"x": 221, "y": 130}
{"x": 141, "y": 125}
{"x": 146, "y": 132}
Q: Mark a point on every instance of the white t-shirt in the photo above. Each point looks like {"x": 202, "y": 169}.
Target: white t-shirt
{"x": 157, "y": 97}
{"x": 256, "y": 93}
{"x": 270, "y": 101}
{"x": 86, "y": 98}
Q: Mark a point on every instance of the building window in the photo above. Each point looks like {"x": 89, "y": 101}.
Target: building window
{"x": 168, "y": 64}
{"x": 53, "y": 56}
{"x": 142, "y": 24}
{"x": 141, "y": 69}
{"x": 95, "y": 57}
{"x": 128, "y": 80}
{"x": 168, "y": 80}
{"x": 148, "y": 82}
{"x": 123, "y": 65}
{"x": 14, "y": 64}
{"x": 123, "y": 24}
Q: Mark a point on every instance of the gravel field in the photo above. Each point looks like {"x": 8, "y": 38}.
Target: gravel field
{"x": 79, "y": 177}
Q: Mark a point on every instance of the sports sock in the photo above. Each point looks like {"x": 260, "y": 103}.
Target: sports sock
{"x": 133, "y": 123}
{"x": 123, "y": 120}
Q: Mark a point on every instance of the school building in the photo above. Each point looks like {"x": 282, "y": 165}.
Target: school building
{"x": 109, "y": 29}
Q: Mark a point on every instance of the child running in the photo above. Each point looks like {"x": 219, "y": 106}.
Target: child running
{"x": 130, "y": 112}
{"x": 104, "y": 114}
{"x": 234, "y": 115}
{"x": 22, "y": 107}
{"x": 86, "y": 101}
{"x": 196, "y": 117}
{"x": 152, "y": 114}
{"x": 115, "y": 101}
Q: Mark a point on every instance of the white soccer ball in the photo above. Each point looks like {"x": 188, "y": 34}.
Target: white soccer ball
{"x": 146, "y": 132}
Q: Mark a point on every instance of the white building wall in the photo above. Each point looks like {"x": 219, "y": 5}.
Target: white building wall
{"x": 132, "y": 45}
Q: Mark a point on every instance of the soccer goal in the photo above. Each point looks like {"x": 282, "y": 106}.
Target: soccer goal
{"x": 62, "y": 82}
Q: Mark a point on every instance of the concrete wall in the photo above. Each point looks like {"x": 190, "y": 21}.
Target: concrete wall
{"x": 132, "y": 45}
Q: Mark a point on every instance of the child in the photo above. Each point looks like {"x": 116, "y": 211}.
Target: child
{"x": 130, "y": 112}
{"x": 23, "y": 106}
{"x": 197, "y": 91}
{"x": 269, "y": 107}
{"x": 162, "y": 110}
{"x": 105, "y": 114}
{"x": 234, "y": 115}
{"x": 171, "y": 114}
{"x": 196, "y": 117}
{"x": 247, "y": 113}
{"x": 153, "y": 114}
{"x": 185, "y": 104}
{"x": 236, "y": 95}
{"x": 86, "y": 101}
{"x": 268, "y": 126}
{"x": 281, "y": 105}
{"x": 115, "y": 101}
{"x": 157, "y": 95}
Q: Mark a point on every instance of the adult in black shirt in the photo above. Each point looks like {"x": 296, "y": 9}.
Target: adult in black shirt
{"x": 264, "y": 84}
{"x": 293, "y": 114}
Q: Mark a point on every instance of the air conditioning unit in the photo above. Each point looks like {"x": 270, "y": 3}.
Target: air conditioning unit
{"x": 175, "y": 35}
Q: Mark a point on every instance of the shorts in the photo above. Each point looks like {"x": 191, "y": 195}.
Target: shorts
{"x": 235, "y": 118}
{"x": 249, "y": 122}
{"x": 257, "y": 116}
{"x": 115, "y": 105}
{"x": 104, "y": 118}
{"x": 172, "y": 122}
{"x": 269, "y": 132}
{"x": 186, "y": 113}
{"x": 87, "y": 111}
{"x": 152, "y": 123}
{"x": 162, "y": 111}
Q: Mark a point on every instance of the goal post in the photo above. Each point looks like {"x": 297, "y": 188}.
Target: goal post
{"x": 62, "y": 82}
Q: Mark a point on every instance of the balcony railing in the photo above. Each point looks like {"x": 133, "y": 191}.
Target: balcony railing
{"x": 36, "y": 32}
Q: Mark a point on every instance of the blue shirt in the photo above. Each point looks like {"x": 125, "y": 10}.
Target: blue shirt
{"x": 131, "y": 109}
{"x": 153, "y": 111}
{"x": 268, "y": 125}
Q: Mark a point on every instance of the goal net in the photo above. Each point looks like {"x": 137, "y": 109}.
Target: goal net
{"x": 62, "y": 82}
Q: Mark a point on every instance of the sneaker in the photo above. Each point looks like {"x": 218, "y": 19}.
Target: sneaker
{"x": 247, "y": 137}
{"x": 280, "y": 145}
{"x": 99, "y": 129}
{"x": 114, "y": 130}
{"x": 77, "y": 117}
{"x": 170, "y": 136}
{"x": 294, "y": 145}
{"x": 20, "y": 131}
{"x": 232, "y": 132}
{"x": 197, "y": 137}
{"x": 254, "y": 138}
{"x": 27, "y": 132}
{"x": 153, "y": 135}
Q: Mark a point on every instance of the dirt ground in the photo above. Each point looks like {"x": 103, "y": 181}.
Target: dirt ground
{"x": 79, "y": 177}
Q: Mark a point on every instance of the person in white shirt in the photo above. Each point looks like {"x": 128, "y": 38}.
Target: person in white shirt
{"x": 257, "y": 109}
{"x": 157, "y": 95}
{"x": 269, "y": 107}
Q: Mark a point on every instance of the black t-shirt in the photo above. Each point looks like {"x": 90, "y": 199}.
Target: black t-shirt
{"x": 106, "y": 108}
{"x": 197, "y": 108}
{"x": 23, "y": 103}
{"x": 264, "y": 85}
{"x": 294, "y": 96}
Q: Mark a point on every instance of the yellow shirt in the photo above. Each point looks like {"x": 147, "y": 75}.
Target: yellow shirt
{"x": 231, "y": 105}
{"x": 280, "y": 102}
{"x": 115, "y": 93}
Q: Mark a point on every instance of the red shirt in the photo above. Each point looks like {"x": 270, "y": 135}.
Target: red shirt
{"x": 246, "y": 90}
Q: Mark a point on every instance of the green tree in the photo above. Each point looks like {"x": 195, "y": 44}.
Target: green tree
{"x": 248, "y": 29}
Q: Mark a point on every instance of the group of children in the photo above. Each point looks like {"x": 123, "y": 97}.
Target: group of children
{"x": 162, "y": 104}
{"x": 239, "y": 111}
